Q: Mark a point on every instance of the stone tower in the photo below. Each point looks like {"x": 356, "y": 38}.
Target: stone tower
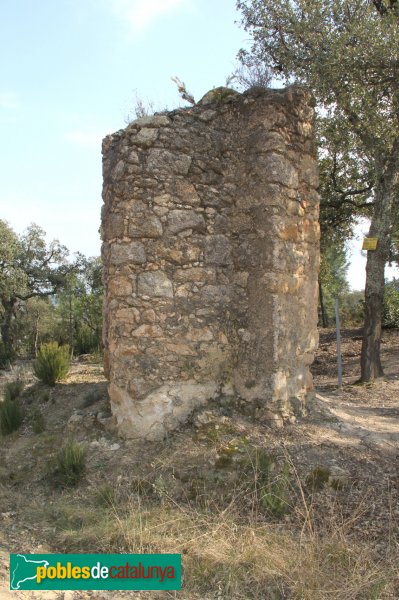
{"x": 211, "y": 256}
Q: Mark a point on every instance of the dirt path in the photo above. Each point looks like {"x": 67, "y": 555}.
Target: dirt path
{"x": 366, "y": 414}
{"x": 375, "y": 428}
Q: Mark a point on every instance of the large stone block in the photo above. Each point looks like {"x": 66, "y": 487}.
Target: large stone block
{"x": 145, "y": 226}
{"x": 179, "y": 220}
{"x": 131, "y": 253}
{"x": 154, "y": 284}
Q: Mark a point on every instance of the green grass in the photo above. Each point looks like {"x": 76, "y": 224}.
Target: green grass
{"x": 70, "y": 464}
{"x": 13, "y": 389}
{"x": 37, "y": 420}
{"x": 52, "y": 363}
{"x": 273, "y": 482}
{"x": 11, "y": 416}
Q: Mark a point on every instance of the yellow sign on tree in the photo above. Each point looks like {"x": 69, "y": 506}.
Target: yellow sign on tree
{"x": 370, "y": 243}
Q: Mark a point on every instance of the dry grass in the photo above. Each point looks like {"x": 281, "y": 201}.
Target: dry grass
{"x": 208, "y": 493}
{"x": 232, "y": 555}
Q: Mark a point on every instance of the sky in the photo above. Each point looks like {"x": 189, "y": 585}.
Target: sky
{"x": 71, "y": 71}
{"x": 70, "y": 74}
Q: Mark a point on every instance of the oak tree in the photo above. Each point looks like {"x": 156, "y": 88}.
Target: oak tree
{"x": 29, "y": 268}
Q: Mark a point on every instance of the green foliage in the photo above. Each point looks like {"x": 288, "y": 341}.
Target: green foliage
{"x": 79, "y": 308}
{"x": 105, "y": 496}
{"x": 333, "y": 270}
{"x": 352, "y": 309}
{"x": 52, "y": 363}
{"x": 345, "y": 51}
{"x": 37, "y": 420}
{"x": 31, "y": 271}
{"x": 272, "y": 478}
{"x": 36, "y": 324}
{"x": 44, "y": 396}
{"x": 13, "y": 389}
{"x": 11, "y": 278}
{"x": 11, "y": 416}
{"x": 318, "y": 478}
{"x": 391, "y": 304}
{"x": 70, "y": 464}
{"x": 250, "y": 76}
{"x": 7, "y": 355}
{"x": 346, "y": 181}
{"x": 29, "y": 268}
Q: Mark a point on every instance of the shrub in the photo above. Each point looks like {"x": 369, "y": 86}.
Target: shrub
{"x": 7, "y": 356}
{"x": 272, "y": 483}
{"x": 391, "y": 304}
{"x": 37, "y": 420}
{"x": 11, "y": 416}
{"x": 352, "y": 309}
{"x": 70, "y": 464}
{"x": 105, "y": 496}
{"x": 52, "y": 363}
{"x": 44, "y": 396}
{"x": 13, "y": 389}
{"x": 318, "y": 478}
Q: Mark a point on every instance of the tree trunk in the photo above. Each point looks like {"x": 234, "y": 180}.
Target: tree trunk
{"x": 324, "y": 320}
{"x": 6, "y": 331}
{"x": 381, "y": 228}
{"x": 371, "y": 366}
{"x": 71, "y": 326}
{"x": 36, "y": 341}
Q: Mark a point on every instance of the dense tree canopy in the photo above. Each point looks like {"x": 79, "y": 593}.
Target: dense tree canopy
{"x": 29, "y": 268}
{"x": 79, "y": 307}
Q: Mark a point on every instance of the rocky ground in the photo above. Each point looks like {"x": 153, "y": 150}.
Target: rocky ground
{"x": 351, "y": 439}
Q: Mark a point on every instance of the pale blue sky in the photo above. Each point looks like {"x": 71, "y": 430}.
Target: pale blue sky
{"x": 70, "y": 70}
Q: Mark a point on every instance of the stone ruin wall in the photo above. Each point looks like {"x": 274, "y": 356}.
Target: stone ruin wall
{"x": 211, "y": 254}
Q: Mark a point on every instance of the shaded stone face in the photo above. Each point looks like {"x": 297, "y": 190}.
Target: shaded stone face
{"x": 210, "y": 249}
{"x": 154, "y": 284}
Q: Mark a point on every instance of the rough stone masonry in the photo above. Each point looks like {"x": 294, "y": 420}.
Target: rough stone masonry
{"x": 211, "y": 256}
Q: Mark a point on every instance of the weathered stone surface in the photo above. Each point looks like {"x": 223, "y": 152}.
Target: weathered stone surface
{"x": 218, "y": 250}
{"x": 133, "y": 252}
{"x": 161, "y": 411}
{"x": 145, "y": 226}
{"x": 115, "y": 225}
{"x": 151, "y": 121}
{"x": 194, "y": 274}
{"x": 119, "y": 169}
{"x": 211, "y": 260}
{"x": 146, "y": 137}
{"x": 179, "y": 220}
{"x": 154, "y": 284}
{"x": 280, "y": 170}
{"x": 120, "y": 286}
{"x": 167, "y": 162}
{"x": 127, "y": 315}
{"x": 219, "y": 95}
{"x": 151, "y": 331}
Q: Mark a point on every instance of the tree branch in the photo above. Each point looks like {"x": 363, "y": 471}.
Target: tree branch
{"x": 34, "y": 294}
{"x": 382, "y": 8}
{"x": 345, "y": 193}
